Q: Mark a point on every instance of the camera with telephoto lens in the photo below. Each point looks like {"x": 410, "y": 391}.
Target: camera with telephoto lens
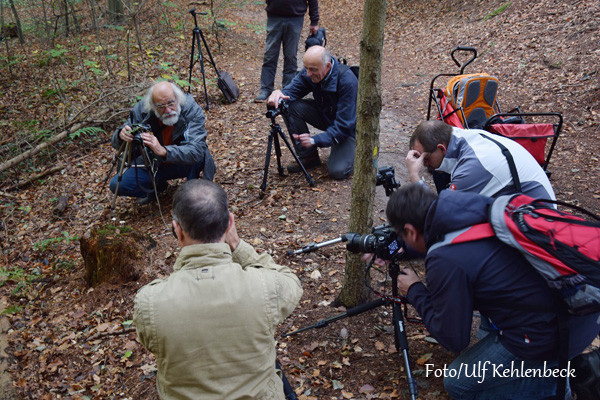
{"x": 272, "y": 111}
{"x": 136, "y": 132}
{"x": 383, "y": 242}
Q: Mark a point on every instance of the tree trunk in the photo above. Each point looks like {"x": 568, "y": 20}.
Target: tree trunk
{"x": 354, "y": 291}
{"x": 17, "y": 21}
{"x": 115, "y": 10}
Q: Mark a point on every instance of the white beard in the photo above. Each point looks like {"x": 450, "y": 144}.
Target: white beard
{"x": 170, "y": 119}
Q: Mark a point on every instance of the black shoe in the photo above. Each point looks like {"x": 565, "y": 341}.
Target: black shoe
{"x": 310, "y": 163}
{"x": 149, "y": 198}
{"x": 262, "y": 97}
{"x": 586, "y": 383}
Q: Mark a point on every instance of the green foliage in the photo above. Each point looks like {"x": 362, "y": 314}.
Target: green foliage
{"x": 57, "y": 52}
{"x": 10, "y": 61}
{"x": 258, "y": 29}
{"x": 50, "y": 92}
{"x": 20, "y": 278}
{"x": 94, "y": 66}
{"x": 12, "y": 309}
{"x": 66, "y": 265}
{"x": 45, "y": 244}
{"x": 117, "y": 27}
{"x": 497, "y": 11}
{"x": 112, "y": 229}
{"x": 43, "y": 134}
{"x": 165, "y": 66}
{"x": 86, "y": 131}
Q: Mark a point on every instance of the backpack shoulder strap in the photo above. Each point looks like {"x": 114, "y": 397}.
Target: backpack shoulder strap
{"x": 511, "y": 163}
{"x": 469, "y": 234}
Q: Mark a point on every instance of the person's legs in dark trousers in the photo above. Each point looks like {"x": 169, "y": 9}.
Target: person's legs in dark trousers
{"x": 479, "y": 373}
{"x": 298, "y": 114}
{"x": 287, "y": 387}
{"x": 303, "y": 112}
{"x": 275, "y": 30}
{"x": 341, "y": 160}
{"x": 136, "y": 182}
{"x": 291, "y": 35}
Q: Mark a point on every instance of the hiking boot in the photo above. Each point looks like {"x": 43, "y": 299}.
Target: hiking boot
{"x": 149, "y": 198}
{"x": 309, "y": 163}
{"x": 262, "y": 97}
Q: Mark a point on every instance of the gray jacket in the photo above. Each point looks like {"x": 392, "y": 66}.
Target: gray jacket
{"x": 189, "y": 136}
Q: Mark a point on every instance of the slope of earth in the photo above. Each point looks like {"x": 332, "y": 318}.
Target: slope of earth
{"x": 68, "y": 341}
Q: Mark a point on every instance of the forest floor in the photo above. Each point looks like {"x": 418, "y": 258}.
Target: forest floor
{"x": 64, "y": 340}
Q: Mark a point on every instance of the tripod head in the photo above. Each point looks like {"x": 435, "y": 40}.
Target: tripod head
{"x": 194, "y": 13}
{"x": 273, "y": 112}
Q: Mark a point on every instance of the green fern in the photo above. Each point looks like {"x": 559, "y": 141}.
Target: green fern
{"x": 86, "y": 131}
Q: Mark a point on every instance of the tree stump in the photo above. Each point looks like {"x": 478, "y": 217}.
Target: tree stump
{"x": 111, "y": 254}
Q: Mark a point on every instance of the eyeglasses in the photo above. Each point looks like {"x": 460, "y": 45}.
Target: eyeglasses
{"x": 170, "y": 104}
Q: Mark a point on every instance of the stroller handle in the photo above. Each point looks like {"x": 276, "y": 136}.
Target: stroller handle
{"x": 467, "y": 49}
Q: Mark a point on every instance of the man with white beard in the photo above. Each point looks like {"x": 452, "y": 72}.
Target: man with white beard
{"x": 173, "y": 133}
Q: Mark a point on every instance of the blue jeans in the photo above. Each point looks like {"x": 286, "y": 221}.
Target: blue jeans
{"x": 475, "y": 383}
{"x": 136, "y": 182}
{"x": 280, "y": 31}
{"x": 341, "y": 160}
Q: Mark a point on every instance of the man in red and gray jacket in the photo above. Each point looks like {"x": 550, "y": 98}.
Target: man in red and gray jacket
{"x": 284, "y": 25}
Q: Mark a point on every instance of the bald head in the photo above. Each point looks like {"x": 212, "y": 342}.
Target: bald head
{"x": 165, "y": 99}
{"x": 317, "y": 61}
{"x": 162, "y": 91}
{"x": 200, "y": 207}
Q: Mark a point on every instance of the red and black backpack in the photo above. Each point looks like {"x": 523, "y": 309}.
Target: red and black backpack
{"x": 562, "y": 247}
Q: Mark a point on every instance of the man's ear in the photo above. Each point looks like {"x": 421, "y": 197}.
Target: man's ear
{"x": 411, "y": 233}
{"x": 231, "y": 222}
{"x": 178, "y": 231}
{"x": 442, "y": 148}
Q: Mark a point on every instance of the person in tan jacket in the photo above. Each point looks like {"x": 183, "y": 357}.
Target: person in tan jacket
{"x": 211, "y": 323}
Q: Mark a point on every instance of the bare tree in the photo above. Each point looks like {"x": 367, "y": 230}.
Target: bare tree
{"x": 17, "y": 21}
{"x": 368, "y": 109}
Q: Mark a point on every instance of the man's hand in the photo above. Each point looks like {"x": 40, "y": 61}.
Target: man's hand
{"x": 305, "y": 140}
{"x": 276, "y": 97}
{"x": 414, "y": 164}
{"x": 125, "y": 134}
{"x": 406, "y": 279}
{"x": 151, "y": 141}
{"x": 231, "y": 236}
{"x": 314, "y": 29}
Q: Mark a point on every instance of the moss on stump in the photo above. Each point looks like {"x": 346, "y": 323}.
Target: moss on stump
{"x": 111, "y": 254}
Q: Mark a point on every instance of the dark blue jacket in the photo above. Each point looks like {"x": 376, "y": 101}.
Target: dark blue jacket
{"x": 336, "y": 96}
{"x": 491, "y": 277}
{"x": 294, "y": 8}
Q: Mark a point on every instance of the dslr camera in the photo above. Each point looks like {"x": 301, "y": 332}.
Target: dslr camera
{"x": 273, "y": 112}
{"x": 382, "y": 241}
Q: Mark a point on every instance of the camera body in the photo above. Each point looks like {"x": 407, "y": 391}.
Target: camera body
{"x": 273, "y": 112}
{"x": 136, "y": 132}
{"x": 386, "y": 178}
{"x": 383, "y": 241}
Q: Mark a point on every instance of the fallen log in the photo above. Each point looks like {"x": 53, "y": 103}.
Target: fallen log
{"x": 35, "y": 177}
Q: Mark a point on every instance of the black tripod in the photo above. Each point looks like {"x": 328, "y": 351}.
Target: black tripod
{"x": 400, "y": 339}
{"x": 125, "y": 155}
{"x": 274, "y": 135}
{"x": 196, "y": 36}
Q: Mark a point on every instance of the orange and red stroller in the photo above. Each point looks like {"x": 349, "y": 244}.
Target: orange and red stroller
{"x": 469, "y": 101}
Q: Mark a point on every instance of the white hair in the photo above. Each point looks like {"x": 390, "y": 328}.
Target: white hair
{"x": 148, "y": 103}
